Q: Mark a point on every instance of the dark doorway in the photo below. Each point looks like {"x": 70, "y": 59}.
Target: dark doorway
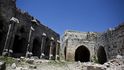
{"x": 65, "y": 52}
{"x": 1, "y": 31}
{"x": 54, "y": 50}
{"x": 36, "y": 50}
{"x": 101, "y": 54}
{"x": 47, "y": 49}
{"x": 19, "y": 46}
{"x": 2, "y": 36}
{"x": 82, "y": 54}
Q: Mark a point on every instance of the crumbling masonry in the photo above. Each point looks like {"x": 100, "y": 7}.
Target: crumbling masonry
{"x": 93, "y": 46}
{"x": 23, "y": 35}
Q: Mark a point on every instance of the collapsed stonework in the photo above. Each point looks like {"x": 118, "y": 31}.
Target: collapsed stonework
{"x": 90, "y": 46}
{"x": 23, "y": 35}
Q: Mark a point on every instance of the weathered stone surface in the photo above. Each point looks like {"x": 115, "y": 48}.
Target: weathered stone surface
{"x": 24, "y": 35}
{"x": 30, "y": 61}
{"x": 95, "y": 68}
{"x": 2, "y": 65}
{"x": 33, "y": 67}
{"x": 72, "y": 40}
{"x": 102, "y": 46}
{"x": 13, "y": 66}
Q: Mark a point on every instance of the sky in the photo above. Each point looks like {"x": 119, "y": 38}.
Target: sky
{"x": 78, "y": 15}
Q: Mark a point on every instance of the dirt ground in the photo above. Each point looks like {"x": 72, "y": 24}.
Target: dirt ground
{"x": 41, "y": 64}
{"x": 45, "y": 65}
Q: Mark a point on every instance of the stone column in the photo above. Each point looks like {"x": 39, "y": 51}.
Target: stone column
{"x": 51, "y": 45}
{"x": 7, "y": 51}
{"x": 43, "y": 44}
{"x": 57, "y": 50}
{"x": 28, "y": 53}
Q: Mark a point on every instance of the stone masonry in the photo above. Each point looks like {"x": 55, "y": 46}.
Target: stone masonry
{"x": 23, "y": 35}
{"x": 90, "y": 46}
{"x": 73, "y": 40}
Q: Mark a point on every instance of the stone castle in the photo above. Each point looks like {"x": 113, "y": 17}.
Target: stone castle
{"x": 23, "y": 35}
{"x": 90, "y": 46}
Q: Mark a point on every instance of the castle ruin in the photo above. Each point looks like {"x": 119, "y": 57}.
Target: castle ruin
{"x": 90, "y": 46}
{"x": 23, "y": 35}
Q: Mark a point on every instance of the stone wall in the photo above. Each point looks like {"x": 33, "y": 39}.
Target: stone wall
{"x": 23, "y": 35}
{"x": 113, "y": 41}
{"x": 102, "y": 46}
{"x": 72, "y": 40}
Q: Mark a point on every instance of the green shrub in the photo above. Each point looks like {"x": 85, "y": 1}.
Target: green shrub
{"x": 8, "y": 60}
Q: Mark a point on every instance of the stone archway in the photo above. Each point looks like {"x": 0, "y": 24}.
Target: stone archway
{"x": 82, "y": 54}
{"x": 36, "y": 49}
{"x": 47, "y": 48}
{"x": 101, "y": 55}
{"x": 54, "y": 50}
{"x": 65, "y": 52}
{"x": 19, "y": 46}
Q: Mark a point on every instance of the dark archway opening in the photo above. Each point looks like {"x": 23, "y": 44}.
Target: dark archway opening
{"x": 47, "y": 49}
{"x": 65, "y": 52}
{"x": 36, "y": 50}
{"x": 54, "y": 50}
{"x": 1, "y": 36}
{"x": 19, "y": 47}
{"x": 82, "y": 54}
{"x": 101, "y": 54}
{"x": 1, "y": 30}
{"x": 22, "y": 29}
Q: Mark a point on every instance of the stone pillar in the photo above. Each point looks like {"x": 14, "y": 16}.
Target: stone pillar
{"x": 57, "y": 50}
{"x": 51, "y": 45}
{"x": 9, "y": 37}
{"x": 28, "y": 53}
{"x": 43, "y": 45}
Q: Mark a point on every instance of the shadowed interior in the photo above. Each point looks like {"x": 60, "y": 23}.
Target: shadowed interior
{"x": 19, "y": 46}
{"x": 101, "y": 54}
{"x": 36, "y": 50}
{"x": 82, "y": 54}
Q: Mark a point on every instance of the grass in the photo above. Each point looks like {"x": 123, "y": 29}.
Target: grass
{"x": 8, "y": 60}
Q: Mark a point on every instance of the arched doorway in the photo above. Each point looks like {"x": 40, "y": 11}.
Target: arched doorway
{"x": 65, "y": 52}
{"x": 19, "y": 46}
{"x": 101, "y": 54}
{"x": 54, "y": 50}
{"x": 36, "y": 50}
{"x": 47, "y": 48}
{"x": 82, "y": 54}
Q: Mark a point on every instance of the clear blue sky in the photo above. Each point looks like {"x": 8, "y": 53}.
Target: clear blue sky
{"x": 80, "y": 15}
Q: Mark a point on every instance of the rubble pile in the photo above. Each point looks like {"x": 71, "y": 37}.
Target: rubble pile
{"x": 114, "y": 64}
{"x": 41, "y": 64}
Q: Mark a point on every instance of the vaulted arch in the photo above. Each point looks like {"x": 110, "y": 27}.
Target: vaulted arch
{"x": 47, "y": 48}
{"x": 82, "y": 54}
{"x": 19, "y": 46}
{"x": 36, "y": 49}
{"x": 101, "y": 55}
